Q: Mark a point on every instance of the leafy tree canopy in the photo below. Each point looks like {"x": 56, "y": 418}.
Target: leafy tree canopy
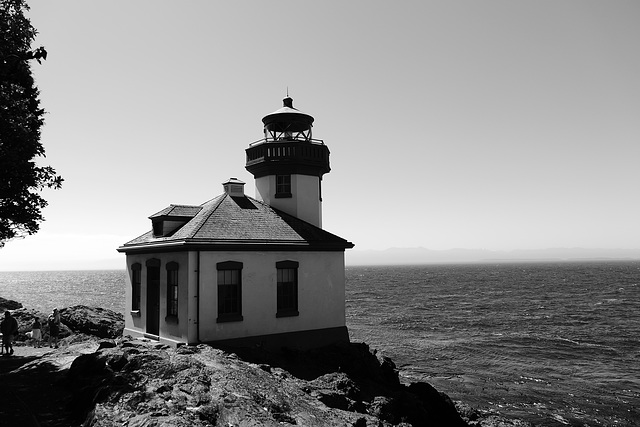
{"x": 21, "y": 119}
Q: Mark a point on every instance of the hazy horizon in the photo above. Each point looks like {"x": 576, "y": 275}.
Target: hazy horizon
{"x": 405, "y": 256}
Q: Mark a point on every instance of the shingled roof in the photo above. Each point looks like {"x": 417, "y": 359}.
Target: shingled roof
{"x": 236, "y": 223}
{"x": 177, "y": 211}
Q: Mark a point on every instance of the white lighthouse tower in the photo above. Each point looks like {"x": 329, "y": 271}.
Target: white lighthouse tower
{"x": 288, "y": 164}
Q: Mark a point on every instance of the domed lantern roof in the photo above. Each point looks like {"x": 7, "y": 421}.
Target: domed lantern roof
{"x": 287, "y": 124}
{"x": 287, "y": 148}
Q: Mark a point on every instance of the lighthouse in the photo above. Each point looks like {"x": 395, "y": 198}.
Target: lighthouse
{"x": 240, "y": 270}
{"x": 288, "y": 164}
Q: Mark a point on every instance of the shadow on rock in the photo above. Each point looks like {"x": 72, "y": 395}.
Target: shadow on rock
{"x": 351, "y": 377}
{"x": 33, "y": 393}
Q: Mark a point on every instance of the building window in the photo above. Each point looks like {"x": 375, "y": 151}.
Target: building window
{"x": 136, "y": 284}
{"x": 172, "y": 289}
{"x": 229, "y": 291}
{"x": 283, "y": 186}
{"x": 287, "y": 288}
{"x": 157, "y": 228}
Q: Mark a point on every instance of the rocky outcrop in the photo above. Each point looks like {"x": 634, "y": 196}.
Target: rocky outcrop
{"x": 7, "y": 304}
{"x": 355, "y": 378}
{"x": 25, "y": 318}
{"x": 137, "y": 383}
{"x": 96, "y": 321}
{"x": 122, "y": 381}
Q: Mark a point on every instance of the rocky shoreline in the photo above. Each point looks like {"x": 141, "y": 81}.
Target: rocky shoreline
{"x": 99, "y": 378}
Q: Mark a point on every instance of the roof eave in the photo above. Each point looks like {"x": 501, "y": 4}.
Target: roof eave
{"x": 236, "y": 245}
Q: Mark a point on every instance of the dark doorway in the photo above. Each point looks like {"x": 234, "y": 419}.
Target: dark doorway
{"x": 153, "y": 296}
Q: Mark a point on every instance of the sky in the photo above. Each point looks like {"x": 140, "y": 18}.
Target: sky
{"x": 494, "y": 125}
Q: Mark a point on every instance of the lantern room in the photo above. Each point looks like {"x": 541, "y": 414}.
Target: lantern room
{"x": 287, "y": 124}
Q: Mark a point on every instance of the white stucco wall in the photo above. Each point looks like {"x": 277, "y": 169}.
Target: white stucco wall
{"x": 169, "y": 329}
{"x": 321, "y": 295}
{"x": 305, "y": 201}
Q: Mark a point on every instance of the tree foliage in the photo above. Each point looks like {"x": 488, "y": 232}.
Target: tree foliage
{"x": 21, "y": 118}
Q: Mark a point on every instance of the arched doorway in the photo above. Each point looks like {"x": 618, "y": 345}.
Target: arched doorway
{"x": 153, "y": 296}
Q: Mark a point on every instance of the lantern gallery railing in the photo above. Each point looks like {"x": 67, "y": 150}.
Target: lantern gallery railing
{"x": 284, "y": 140}
{"x": 264, "y": 150}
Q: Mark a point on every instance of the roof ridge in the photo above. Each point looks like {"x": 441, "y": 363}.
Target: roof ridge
{"x": 218, "y": 202}
{"x": 185, "y": 206}
{"x": 295, "y": 218}
{"x": 212, "y": 200}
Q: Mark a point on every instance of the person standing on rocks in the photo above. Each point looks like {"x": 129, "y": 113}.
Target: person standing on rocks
{"x": 36, "y": 332}
{"x": 54, "y": 327}
{"x": 8, "y": 327}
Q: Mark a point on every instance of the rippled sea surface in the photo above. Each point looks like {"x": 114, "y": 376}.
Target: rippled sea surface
{"x": 552, "y": 343}
{"x": 46, "y": 290}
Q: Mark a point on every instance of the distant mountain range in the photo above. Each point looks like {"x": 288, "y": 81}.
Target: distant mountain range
{"x": 399, "y": 256}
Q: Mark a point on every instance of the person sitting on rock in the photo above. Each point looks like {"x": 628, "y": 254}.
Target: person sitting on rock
{"x": 8, "y": 327}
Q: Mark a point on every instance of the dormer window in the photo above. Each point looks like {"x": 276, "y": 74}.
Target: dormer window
{"x": 168, "y": 221}
{"x": 167, "y": 226}
{"x": 157, "y": 228}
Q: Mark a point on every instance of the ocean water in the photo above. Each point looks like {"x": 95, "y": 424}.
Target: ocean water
{"x": 46, "y": 290}
{"x": 553, "y": 343}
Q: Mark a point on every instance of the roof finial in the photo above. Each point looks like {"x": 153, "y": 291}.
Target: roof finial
{"x": 287, "y": 102}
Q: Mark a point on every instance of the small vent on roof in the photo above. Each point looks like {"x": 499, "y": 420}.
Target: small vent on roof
{"x": 234, "y": 187}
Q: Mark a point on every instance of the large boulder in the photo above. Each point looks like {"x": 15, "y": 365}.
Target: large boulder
{"x": 25, "y": 318}
{"x": 435, "y": 408}
{"x": 100, "y": 322}
{"x": 7, "y": 304}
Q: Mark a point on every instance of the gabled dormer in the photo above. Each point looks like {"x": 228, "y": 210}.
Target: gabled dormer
{"x": 171, "y": 219}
